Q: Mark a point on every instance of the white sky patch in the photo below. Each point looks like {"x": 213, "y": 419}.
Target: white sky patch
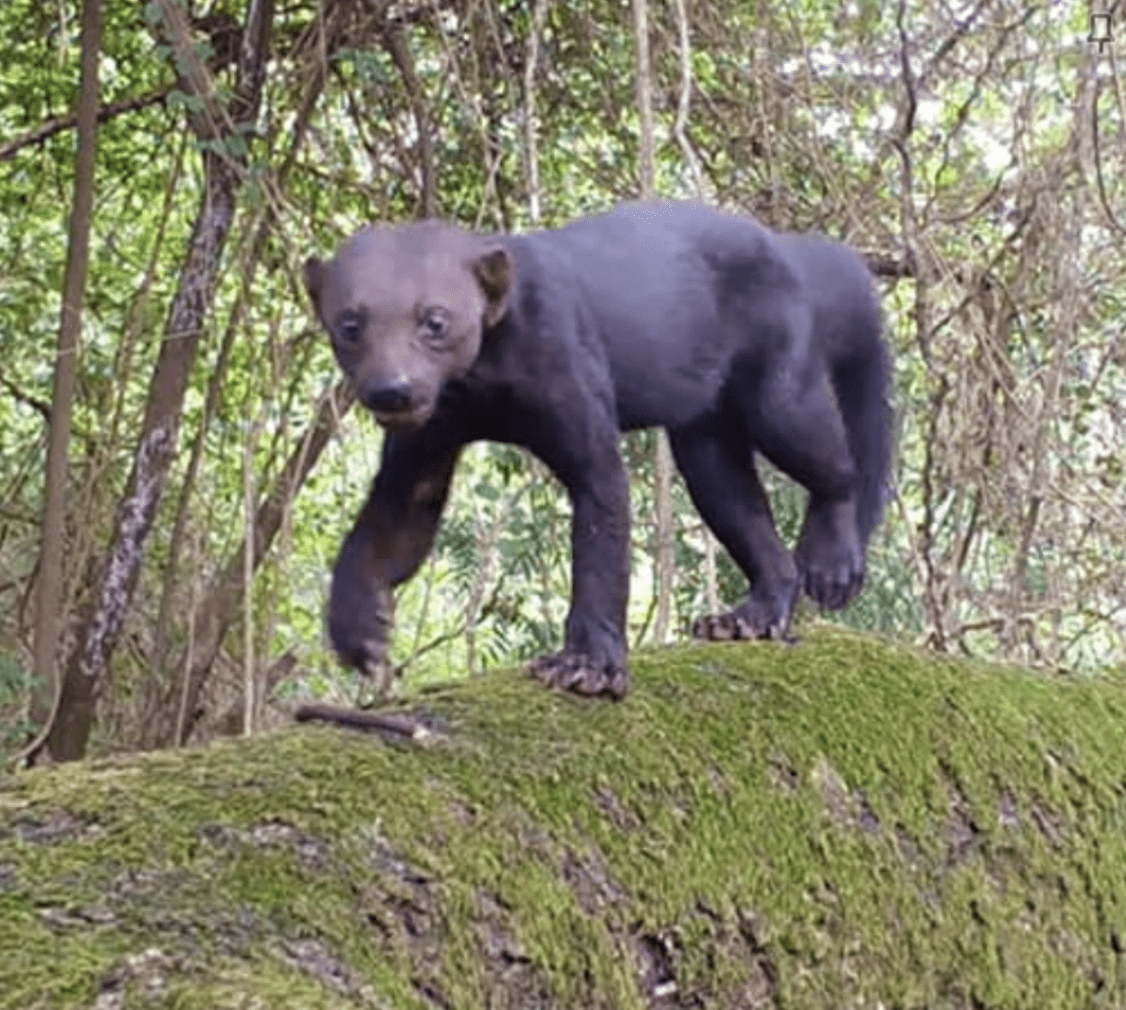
{"x": 996, "y": 155}
{"x": 928, "y": 111}
{"x": 832, "y": 124}
{"x": 824, "y": 60}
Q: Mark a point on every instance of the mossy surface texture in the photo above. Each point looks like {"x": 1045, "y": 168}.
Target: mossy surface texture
{"x": 845, "y": 823}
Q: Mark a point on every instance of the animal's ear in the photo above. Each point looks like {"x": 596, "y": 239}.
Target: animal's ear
{"x": 495, "y": 272}
{"x": 314, "y": 280}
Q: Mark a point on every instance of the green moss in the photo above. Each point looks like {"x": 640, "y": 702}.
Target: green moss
{"x": 837, "y": 824}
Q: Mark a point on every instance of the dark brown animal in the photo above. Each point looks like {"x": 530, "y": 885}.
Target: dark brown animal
{"x": 734, "y": 338}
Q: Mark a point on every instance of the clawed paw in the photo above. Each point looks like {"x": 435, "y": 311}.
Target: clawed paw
{"x": 833, "y": 574}
{"x": 380, "y": 674}
{"x": 360, "y": 619}
{"x": 362, "y": 654}
{"x": 735, "y": 626}
{"x": 833, "y": 588}
{"x": 579, "y": 674}
{"x": 762, "y": 616}
{"x": 829, "y": 555}
{"x": 369, "y": 658}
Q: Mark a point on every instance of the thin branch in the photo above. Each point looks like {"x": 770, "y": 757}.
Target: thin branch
{"x": 17, "y": 394}
{"x": 981, "y": 82}
{"x": 1111, "y": 217}
{"x": 57, "y": 124}
{"x": 961, "y": 30}
{"x": 910, "y": 81}
{"x": 400, "y": 54}
{"x": 681, "y": 120}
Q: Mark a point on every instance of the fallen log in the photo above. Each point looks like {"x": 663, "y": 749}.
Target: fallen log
{"x": 845, "y": 823}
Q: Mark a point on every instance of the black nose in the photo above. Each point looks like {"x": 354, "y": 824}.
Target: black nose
{"x": 389, "y": 398}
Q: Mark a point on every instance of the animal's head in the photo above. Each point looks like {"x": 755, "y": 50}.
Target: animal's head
{"x": 406, "y": 309}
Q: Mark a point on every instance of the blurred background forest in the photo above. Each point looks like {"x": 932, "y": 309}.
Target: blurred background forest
{"x": 975, "y": 152}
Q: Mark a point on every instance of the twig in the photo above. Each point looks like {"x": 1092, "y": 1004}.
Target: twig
{"x": 390, "y": 725}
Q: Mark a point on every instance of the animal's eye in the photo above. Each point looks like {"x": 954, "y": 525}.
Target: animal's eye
{"x": 434, "y": 323}
{"x": 349, "y": 328}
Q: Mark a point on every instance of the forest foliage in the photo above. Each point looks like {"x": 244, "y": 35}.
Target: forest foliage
{"x": 973, "y": 152}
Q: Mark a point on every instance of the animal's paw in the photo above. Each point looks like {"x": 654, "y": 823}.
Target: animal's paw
{"x": 829, "y": 555}
{"x": 580, "y": 674}
{"x": 736, "y": 626}
{"x": 757, "y": 617}
{"x": 362, "y": 654}
{"x": 831, "y": 583}
{"x": 359, "y": 628}
{"x": 369, "y": 658}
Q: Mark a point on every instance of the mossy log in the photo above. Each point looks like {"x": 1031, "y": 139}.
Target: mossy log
{"x": 844, "y": 823}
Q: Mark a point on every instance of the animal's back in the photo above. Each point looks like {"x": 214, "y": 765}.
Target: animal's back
{"x": 648, "y": 276}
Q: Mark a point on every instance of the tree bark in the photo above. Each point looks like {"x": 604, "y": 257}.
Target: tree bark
{"x": 399, "y": 49}
{"x": 217, "y": 380}
{"x": 531, "y": 131}
{"x": 699, "y": 184}
{"x": 662, "y": 454}
{"x": 87, "y": 667}
{"x": 646, "y": 165}
{"x": 50, "y": 586}
{"x": 174, "y": 706}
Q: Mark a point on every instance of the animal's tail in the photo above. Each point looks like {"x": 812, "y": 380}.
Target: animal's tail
{"x": 861, "y": 381}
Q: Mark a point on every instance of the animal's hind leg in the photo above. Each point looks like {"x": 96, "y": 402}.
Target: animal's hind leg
{"x": 794, "y": 420}
{"x": 830, "y": 553}
{"x": 718, "y": 466}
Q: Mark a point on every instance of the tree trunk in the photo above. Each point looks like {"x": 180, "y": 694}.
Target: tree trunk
{"x": 87, "y": 667}
{"x": 265, "y": 224}
{"x": 216, "y": 612}
{"x": 531, "y": 133}
{"x": 398, "y": 47}
{"x": 842, "y": 824}
{"x": 703, "y": 192}
{"x": 662, "y": 454}
{"x": 70, "y": 327}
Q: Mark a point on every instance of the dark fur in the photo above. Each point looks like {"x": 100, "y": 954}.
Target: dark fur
{"x": 734, "y": 338}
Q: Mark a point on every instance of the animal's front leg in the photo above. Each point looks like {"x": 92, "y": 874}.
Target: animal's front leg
{"x": 392, "y": 535}
{"x": 593, "y": 660}
{"x": 361, "y": 608}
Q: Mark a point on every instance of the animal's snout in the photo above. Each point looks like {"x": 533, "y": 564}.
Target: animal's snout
{"x": 391, "y": 397}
